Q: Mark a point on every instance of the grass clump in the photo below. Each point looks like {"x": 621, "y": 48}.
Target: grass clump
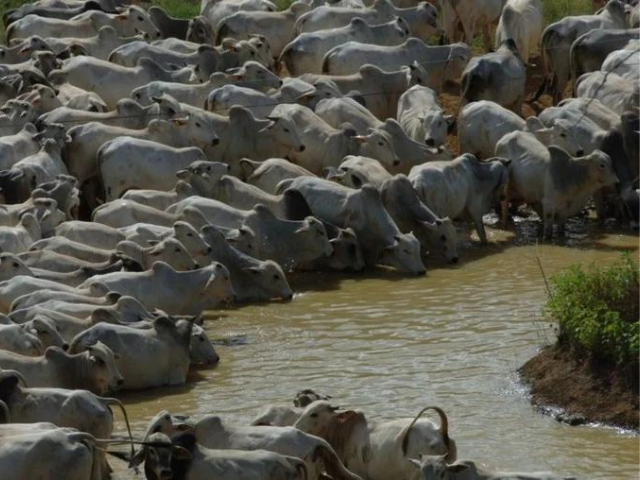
{"x": 597, "y": 311}
{"x": 555, "y": 10}
{"x": 178, "y": 8}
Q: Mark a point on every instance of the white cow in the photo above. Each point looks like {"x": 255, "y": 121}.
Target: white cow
{"x": 132, "y": 163}
{"x": 522, "y": 21}
{"x": 304, "y": 53}
{"x": 442, "y": 62}
{"x": 20, "y": 339}
{"x": 482, "y": 124}
{"x": 113, "y": 82}
{"x": 288, "y": 242}
{"x": 100, "y": 45}
{"x": 251, "y": 75}
{"x": 78, "y": 409}
{"x": 615, "y": 92}
{"x": 558, "y": 37}
{"x": 421, "y": 116}
{"x": 178, "y": 293}
{"x": 131, "y": 22}
{"x": 267, "y": 174}
{"x": 380, "y": 88}
{"x": 160, "y": 455}
{"x": 93, "y": 369}
{"x": 162, "y": 344}
{"x": 362, "y": 210}
{"x": 275, "y": 26}
{"x": 462, "y": 19}
{"x": 252, "y": 279}
{"x": 378, "y": 450}
{"x": 499, "y": 76}
{"x": 554, "y": 183}
{"x": 212, "y": 432}
{"x": 56, "y": 450}
{"x": 19, "y": 238}
{"x": 326, "y": 145}
{"x": 461, "y": 187}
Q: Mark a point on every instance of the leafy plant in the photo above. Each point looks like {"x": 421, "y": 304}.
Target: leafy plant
{"x": 598, "y": 311}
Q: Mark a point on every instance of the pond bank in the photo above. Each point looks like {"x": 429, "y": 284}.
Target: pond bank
{"x": 585, "y": 390}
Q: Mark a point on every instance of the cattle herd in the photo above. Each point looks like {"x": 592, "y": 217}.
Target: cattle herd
{"x": 153, "y": 168}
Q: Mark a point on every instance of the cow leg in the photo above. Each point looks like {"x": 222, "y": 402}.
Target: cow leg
{"x": 504, "y": 206}
{"x": 486, "y": 37}
{"x": 477, "y": 221}
{"x": 601, "y": 209}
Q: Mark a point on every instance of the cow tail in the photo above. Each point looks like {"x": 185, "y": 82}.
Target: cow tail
{"x": 222, "y": 32}
{"x": 325, "y": 62}
{"x": 114, "y": 401}
{"x": 301, "y": 468}
{"x": 550, "y": 79}
{"x": 5, "y": 415}
{"x": 99, "y": 162}
{"x": 444, "y": 431}
{"x": 332, "y": 463}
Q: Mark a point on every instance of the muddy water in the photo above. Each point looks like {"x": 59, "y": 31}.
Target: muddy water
{"x": 391, "y": 345}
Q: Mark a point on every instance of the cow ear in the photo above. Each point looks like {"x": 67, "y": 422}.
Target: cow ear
{"x": 138, "y": 458}
{"x": 559, "y": 154}
{"x": 180, "y": 453}
{"x": 458, "y": 468}
{"x": 153, "y": 243}
{"x": 415, "y": 462}
{"x": 254, "y": 270}
{"x": 534, "y": 124}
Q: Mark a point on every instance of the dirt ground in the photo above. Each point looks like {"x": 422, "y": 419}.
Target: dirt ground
{"x": 584, "y": 389}
{"x": 450, "y": 99}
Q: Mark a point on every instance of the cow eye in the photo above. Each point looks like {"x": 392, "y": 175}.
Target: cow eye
{"x": 253, "y": 54}
{"x": 99, "y": 361}
{"x": 140, "y": 19}
{"x": 177, "y": 250}
{"x": 601, "y": 166}
{"x": 443, "y": 238}
{"x": 286, "y": 130}
{"x": 189, "y": 234}
{"x": 563, "y": 135}
{"x": 15, "y": 265}
{"x": 381, "y": 144}
{"x": 314, "y": 415}
{"x": 198, "y": 124}
{"x": 201, "y": 339}
{"x": 276, "y": 277}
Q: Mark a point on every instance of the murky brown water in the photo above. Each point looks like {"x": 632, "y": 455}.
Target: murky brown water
{"x": 392, "y": 345}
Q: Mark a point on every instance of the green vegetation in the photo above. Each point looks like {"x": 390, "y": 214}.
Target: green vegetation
{"x": 179, "y": 8}
{"x": 598, "y": 313}
{"x": 554, "y": 10}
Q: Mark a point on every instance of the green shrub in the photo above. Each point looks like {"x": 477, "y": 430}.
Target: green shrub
{"x": 179, "y": 8}
{"x": 597, "y": 311}
{"x": 555, "y": 10}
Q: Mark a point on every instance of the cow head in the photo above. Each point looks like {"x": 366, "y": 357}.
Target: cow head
{"x": 347, "y": 253}
{"x": 11, "y": 266}
{"x": 135, "y": 21}
{"x": 284, "y": 132}
{"x": 173, "y": 252}
{"x": 200, "y": 31}
{"x": 200, "y": 348}
{"x": 103, "y": 372}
